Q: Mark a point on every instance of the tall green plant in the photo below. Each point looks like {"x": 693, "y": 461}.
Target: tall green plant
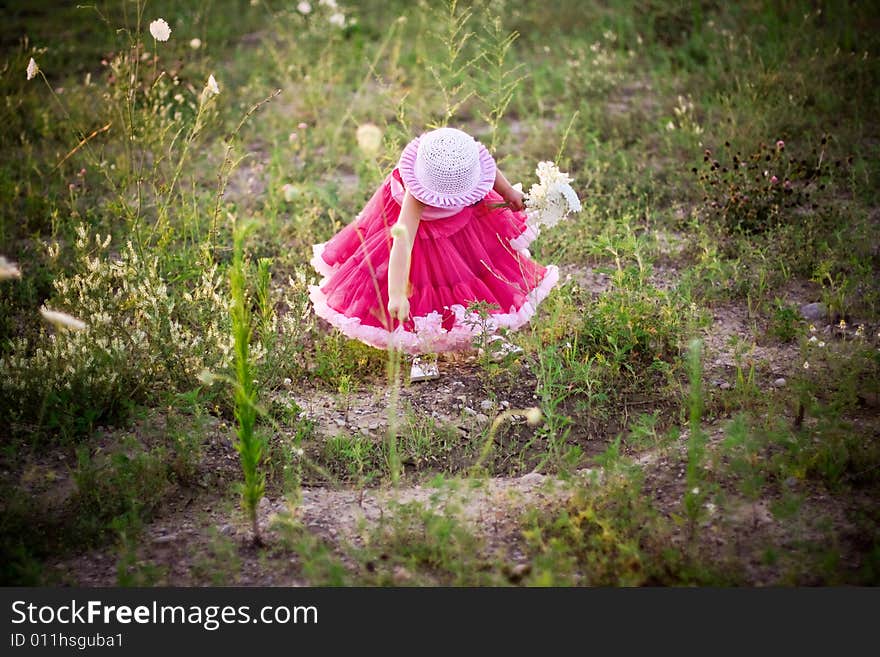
{"x": 697, "y": 439}
{"x": 250, "y": 446}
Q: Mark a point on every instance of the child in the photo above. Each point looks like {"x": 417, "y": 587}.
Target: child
{"x": 443, "y": 231}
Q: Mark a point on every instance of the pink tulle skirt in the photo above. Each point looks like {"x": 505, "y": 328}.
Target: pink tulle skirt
{"x": 477, "y": 254}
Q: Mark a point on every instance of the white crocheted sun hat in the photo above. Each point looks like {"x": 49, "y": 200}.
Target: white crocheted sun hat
{"x": 447, "y": 168}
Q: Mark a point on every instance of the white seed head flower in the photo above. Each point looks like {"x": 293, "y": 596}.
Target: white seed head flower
{"x": 195, "y": 44}
{"x": 337, "y": 19}
{"x": 289, "y": 192}
{"x": 206, "y": 377}
{"x": 399, "y": 231}
{"x": 212, "y": 87}
{"x": 32, "y": 69}
{"x": 304, "y": 8}
{"x": 806, "y": 364}
{"x": 160, "y": 29}
{"x": 8, "y": 269}
{"x": 62, "y": 320}
{"x": 533, "y": 415}
{"x": 369, "y": 138}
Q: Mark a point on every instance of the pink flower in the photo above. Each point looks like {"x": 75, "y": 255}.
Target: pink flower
{"x": 787, "y": 184}
{"x": 303, "y": 126}
{"x": 780, "y": 144}
{"x": 773, "y": 180}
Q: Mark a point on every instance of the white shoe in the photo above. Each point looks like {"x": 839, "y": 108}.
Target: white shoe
{"x": 422, "y": 370}
{"x": 500, "y": 348}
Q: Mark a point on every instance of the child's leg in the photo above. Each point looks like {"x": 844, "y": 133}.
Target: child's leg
{"x": 424, "y": 368}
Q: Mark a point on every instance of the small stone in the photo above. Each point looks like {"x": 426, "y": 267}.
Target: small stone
{"x": 780, "y": 382}
{"x": 265, "y": 503}
{"x": 724, "y": 385}
{"x": 791, "y": 482}
{"x": 467, "y": 410}
{"x": 482, "y": 418}
{"x": 505, "y": 404}
{"x": 487, "y": 404}
{"x": 339, "y": 421}
{"x": 519, "y": 571}
{"x": 167, "y": 538}
{"x": 814, "y": 311}
{"x": 532, "y": 478}
{"x": 225, "y": 529}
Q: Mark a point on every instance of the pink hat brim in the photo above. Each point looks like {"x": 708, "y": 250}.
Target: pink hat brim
{"x": 407, "y": 168}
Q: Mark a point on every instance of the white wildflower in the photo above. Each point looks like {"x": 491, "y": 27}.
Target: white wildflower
{"x": 813, "y": 338}
{"x": 695, "y": 490}
{"x": 337, "y": 19}
{"x": 533, "y": 415}
{"x": 160, "y": 29}
{"x": 304, "y": 8}
{"x": 195, "y": 44}
{"x": 711, "y": 508}
{"x": 552, "y": 198}
{"x": 821, "y": 343}
{"x": 32, "y": 69}
{"x": 8, "y": 269}
{"x": 289, "y": 192}
{"x": 806, "y": 364}
{"x": 670, "y": 126}
{"x": 369, "y": 138}
{"x": 206, "y": 377}
{"x": 860, "y": 331}
{"x": 62, "y": 320}
{"x": 212, "y": 88}
{"x": 328, "y": 3}
{"x": 812, "y": 329}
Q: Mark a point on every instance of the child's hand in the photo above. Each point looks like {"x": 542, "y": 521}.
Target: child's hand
{"x": 398, "y": 307}
{"x": 514, "y": 198}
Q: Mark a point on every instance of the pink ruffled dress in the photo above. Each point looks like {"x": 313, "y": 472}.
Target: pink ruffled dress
{"x": 459, "y": 256}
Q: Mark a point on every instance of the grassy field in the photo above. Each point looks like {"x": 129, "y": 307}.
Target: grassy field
{"x": 707, "y": 372}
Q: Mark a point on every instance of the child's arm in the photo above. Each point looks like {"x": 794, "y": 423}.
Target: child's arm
{"x": 404, "y": 232}
{"x": 513, "y": 197}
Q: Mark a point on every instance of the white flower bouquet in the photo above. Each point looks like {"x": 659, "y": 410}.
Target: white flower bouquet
{"x": 551, "y": 199}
